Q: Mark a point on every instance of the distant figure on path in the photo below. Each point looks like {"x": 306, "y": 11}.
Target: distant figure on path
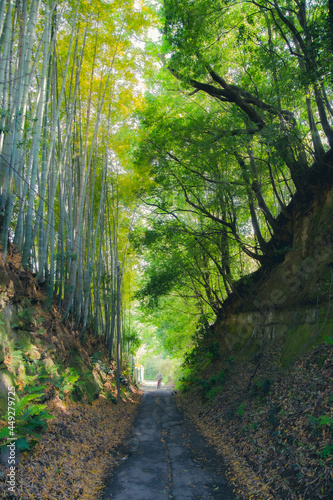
{"x": 159, "y": 379}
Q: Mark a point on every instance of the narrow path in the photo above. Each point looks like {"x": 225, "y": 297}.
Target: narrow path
{"x": 168, "y": 458}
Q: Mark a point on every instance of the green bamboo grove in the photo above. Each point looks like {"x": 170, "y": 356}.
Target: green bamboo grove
{"x": 68, "y": 73}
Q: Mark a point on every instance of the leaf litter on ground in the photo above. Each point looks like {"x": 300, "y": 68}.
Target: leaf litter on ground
{"x": 278, "y": 445}
{"x": 76, "y": 455}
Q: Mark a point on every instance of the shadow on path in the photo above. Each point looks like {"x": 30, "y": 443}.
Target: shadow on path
{"x": 167, "y": 458}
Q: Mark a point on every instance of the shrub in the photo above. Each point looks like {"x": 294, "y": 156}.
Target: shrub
{"x": 212, "y": 393}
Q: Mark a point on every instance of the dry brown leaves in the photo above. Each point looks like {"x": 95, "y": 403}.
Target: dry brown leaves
{"x": 77, "y": 453}
{"x": 276, "y": 445}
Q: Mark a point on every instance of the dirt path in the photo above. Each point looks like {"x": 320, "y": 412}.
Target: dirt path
{"x": 167, "y": 458}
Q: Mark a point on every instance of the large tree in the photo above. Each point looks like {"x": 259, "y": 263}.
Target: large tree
{"x": 243, "y": 129}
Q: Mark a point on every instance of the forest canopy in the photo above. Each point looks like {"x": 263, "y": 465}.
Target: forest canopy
{"x": 237, "y": 136}
{"x": 173, "y": 167}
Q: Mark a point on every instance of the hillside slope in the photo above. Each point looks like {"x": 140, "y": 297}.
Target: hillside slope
{"x": 259, "y": 382}
{"x": 67, "y": 424}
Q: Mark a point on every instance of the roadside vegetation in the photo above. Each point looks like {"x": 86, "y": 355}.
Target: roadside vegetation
{"x": 272, "y": 424}
{"x": 68, "y": 422}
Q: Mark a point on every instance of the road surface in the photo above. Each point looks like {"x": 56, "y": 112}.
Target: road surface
{"x": 167, "y": 458}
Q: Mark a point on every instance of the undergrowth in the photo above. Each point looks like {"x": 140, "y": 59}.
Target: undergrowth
{"x": 35, "y": 383}
{"x": 274, "y": 426}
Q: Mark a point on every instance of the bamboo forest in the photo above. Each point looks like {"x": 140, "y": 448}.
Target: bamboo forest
{"x": 166, "y": 249}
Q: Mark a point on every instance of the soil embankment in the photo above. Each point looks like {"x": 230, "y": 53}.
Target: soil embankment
{"x": 259, "y": 381}
{"x": 68, "y": 428}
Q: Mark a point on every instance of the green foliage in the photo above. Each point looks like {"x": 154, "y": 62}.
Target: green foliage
{"x": 33, "y": 378}
{"x": 241, "y": 410}
{"x": 171, "y": 292}
{"x": 96, "y": 357}
{"x": 213, "y": 386}
{"x": 212, "y": 393}
{"x": 261, "y": 388}
{"x": 328, "y": 340}
{"x": 209, "y": 388}
{"x": 111, "y": 398}
{"x": 228, "y": 135}
{"x": 327, "y": 452}
{"x": 160, "y": 364}
{"x": 165, "y": 267}
{"x": 133, "y": 341}
{"x": 67, "y": 381}
{"x": 206, "y": 347}
{"x": 30, "y": 419}
{"x": 205, "y": 350}
{"x": 24, "y": 316}
{"x": 325, "y": 420}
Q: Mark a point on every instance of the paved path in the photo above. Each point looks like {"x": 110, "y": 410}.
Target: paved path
{"x": 167, "y": 457}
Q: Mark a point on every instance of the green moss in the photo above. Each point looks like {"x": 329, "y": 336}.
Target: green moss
{"x": 238, "y": 337}
{"x": 326, "y": 329}
{"x": 77, "y": 362}
{"x": 89, "y": 386}
{"x": 297, "y": 340}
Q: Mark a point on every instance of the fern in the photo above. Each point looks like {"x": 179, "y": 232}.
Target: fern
{"x": 67, "y": 382}
{"x": 30, "y": 418}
